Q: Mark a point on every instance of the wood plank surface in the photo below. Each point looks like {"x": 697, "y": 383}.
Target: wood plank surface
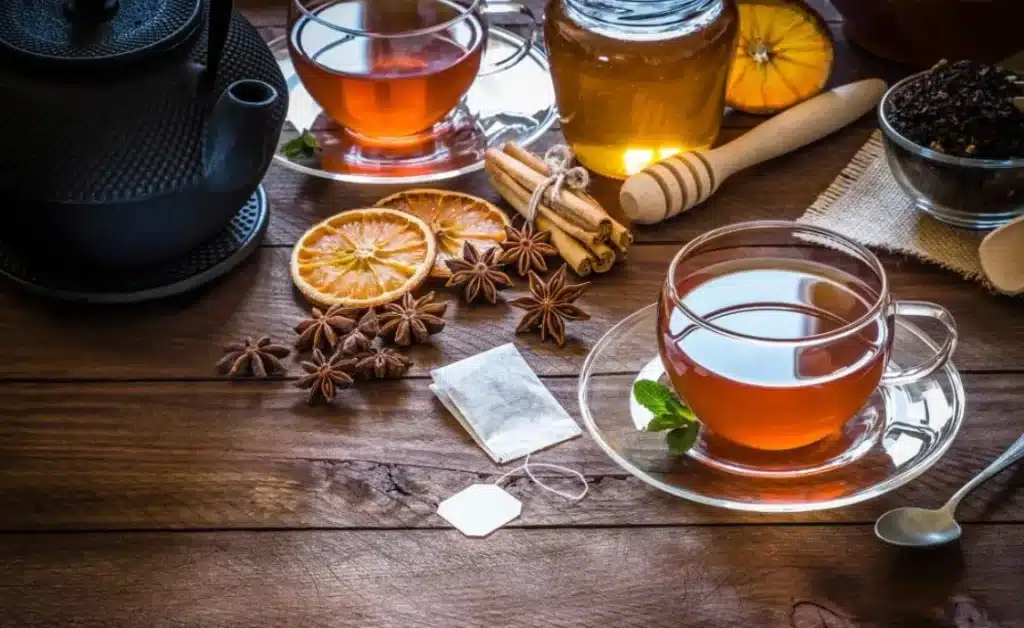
{"x": 183, "y": 338}
{"x": 727, "y": 577}
{"x": 215, "y": 455}
{"x": 138, "y": 489}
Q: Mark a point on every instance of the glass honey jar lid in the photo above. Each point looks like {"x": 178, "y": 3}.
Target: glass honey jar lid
{"x": 642, "y": 20}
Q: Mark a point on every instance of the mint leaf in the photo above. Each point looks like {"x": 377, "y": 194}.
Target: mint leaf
{"x": 655, "y": 397}
{"x": 664, "y": 422}
{"x": 305, "y": 145}
{"x": 670, "y": 414}
{"x": 681, "y": 439}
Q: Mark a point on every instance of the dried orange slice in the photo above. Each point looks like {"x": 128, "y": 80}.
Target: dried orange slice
{"x": 454, "y": 218}
{"x": 784, "y": 56}
{"x": 363, "y": 257}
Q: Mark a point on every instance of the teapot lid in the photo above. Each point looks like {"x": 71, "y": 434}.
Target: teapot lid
{"x": 81, "y": 34}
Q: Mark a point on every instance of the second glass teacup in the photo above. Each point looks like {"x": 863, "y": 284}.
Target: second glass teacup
{"x": 389, "y": 70}
{"x": 777, "y": 333}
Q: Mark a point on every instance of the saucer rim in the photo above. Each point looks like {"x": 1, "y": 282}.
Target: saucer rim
{"x": 537, "y": 53}
{"x": 868, "y": 493}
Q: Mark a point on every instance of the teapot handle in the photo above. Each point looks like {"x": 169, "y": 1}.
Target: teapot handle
{"x": 220, "y": 23}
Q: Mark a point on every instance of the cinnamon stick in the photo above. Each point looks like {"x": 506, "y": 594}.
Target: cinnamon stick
{"x": 620, "y": 236}
{"x": 519, "y": 197}
{"x": 568, "y": 205}
{"x": 527, "y": 157}
{"x": 568, "y": 247}
{"x": 604, "y": 256}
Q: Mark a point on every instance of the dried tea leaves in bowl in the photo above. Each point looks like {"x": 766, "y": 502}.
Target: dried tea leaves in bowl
{"x": 963, "y": 109}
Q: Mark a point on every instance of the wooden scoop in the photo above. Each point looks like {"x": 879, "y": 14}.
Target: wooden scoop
{"x": 668, "y": 187}
{"x": 1002, "y": 257}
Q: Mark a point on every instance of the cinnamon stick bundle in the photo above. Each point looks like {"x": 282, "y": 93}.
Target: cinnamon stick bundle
{"x": 568, "y": 205}
{"x": 621, "y": 237}
{"x": 586, "y": 237}
{"x": 521, "y": 203}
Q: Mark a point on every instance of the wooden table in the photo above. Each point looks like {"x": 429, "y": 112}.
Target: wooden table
{"x": 138, "y": 489}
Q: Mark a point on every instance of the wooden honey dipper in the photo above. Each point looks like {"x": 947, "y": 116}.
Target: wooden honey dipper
{"x": 677, "y": 183}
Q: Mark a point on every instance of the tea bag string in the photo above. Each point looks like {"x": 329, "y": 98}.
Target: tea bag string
{"x": 527, "y": 467}
{"x": 559, "y": 160}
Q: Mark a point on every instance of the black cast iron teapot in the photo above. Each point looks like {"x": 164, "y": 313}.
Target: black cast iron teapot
{"x": 130, "y": 130}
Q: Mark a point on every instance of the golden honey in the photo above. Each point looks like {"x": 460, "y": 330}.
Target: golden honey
{"x": 637, "y": 81}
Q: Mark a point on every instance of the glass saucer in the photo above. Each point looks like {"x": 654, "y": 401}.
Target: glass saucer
{"x": 517, "y": 104}
{"x": 900, "y": 433}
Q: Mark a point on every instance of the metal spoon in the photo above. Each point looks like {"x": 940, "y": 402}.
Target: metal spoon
{"x": 920, "y": 527}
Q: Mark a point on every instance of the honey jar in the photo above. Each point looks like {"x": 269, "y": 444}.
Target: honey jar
{"x": 639, "y": 80}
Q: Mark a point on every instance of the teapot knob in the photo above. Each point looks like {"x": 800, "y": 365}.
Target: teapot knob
{"x": 89, "y": 10}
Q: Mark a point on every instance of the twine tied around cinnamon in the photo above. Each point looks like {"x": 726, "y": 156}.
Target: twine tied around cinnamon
{"x": 559, "y": 160}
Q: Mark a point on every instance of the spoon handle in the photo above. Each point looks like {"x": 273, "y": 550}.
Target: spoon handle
{"x": 1010, "y": 456}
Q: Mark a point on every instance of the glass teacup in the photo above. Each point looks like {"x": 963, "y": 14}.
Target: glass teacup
{"x": 777, "y": 333}
{"x": 390, "y": 70}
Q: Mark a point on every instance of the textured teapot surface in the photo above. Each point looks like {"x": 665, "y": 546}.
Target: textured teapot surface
{"x": 124, "y": 134}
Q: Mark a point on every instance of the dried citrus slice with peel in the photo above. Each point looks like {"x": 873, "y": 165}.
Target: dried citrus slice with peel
{"x": 454, "y": 218}
{"x": 784, "y": 56}
{"x": 363, "y": 257}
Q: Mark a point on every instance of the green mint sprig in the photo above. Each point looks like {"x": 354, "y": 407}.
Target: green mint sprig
{"x": 670, "y": 415}
{"x": 303, "y": 146}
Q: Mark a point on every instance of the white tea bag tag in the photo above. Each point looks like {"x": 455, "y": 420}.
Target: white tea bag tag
{"x": 480, "y": 509}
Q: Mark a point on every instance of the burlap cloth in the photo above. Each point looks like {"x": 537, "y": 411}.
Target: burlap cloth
{"x": 866, "y": 204}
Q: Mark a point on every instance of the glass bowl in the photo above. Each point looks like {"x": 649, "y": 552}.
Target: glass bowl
{"x": 964, "y": 192}
{"x": 899, "y": 434}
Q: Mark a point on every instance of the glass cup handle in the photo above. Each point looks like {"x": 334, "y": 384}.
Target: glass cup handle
{"x": 923, "y": 309}
{"x": 517, "y": 8}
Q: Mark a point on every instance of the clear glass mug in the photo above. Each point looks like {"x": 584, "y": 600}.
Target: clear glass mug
{"x": 390, "y": 70}
{"x": 776, "y": 334}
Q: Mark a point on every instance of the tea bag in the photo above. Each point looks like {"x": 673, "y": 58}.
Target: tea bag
{"x": 503, "y": 405}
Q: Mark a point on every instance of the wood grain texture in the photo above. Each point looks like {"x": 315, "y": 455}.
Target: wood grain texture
{"x": 168, "y": 503}
{"x": 216, "y": 455}
{"x": 728, "y": 577}
{"x": 183, "y": 338}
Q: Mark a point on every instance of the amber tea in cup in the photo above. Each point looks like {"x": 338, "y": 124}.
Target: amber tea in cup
{"x": 776, "y": 334}
{"x": 391, "y": 69}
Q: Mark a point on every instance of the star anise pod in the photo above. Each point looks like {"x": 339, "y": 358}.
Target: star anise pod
{"x": 526, "y": 248}
{"x": 324, "y": 376}
{"x": 258, "y": 358}
{"x": 322, "y": 329}
{"x": 550, "y": 305}
{"x": 414, "y": 320}
{"x": 360, "y": 337}
{"x": 478, "y": 273}
{"x": 382, "y": 362}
